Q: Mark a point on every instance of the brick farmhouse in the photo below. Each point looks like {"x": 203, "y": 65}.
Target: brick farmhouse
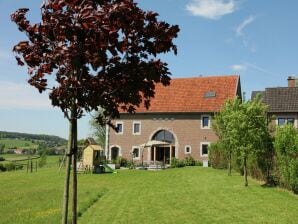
{"x": 177, "y": 124}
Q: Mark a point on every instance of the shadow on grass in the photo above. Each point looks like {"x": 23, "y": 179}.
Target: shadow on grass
{"x": 92, "y": 202}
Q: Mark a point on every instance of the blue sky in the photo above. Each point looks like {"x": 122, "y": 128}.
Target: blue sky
{"x": 253, "y": 38}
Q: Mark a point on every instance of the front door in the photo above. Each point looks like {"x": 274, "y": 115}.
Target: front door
{"x": 162, "y": 154}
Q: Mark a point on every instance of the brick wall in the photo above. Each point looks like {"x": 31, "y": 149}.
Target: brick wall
{"x": 186, "y": 129}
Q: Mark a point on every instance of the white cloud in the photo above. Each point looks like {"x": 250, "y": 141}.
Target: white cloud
{"x": 211, "y": 9}
{"x": 245, "y": 23}
{"x": 239, "y": 67}
{"x": 22, "y": 96}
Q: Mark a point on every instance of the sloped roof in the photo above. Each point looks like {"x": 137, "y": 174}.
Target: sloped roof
{"x": 281, "y": 99}
{"x": 199, "y": 94}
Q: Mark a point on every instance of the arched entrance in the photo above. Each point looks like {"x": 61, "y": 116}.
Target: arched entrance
{"x": 163, "y": 153}
{"x": 114, "y": 152}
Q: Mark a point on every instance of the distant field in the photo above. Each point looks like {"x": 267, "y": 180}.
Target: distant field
{"x": 18, "y": 143}
{"x": 52, "y": 161}
{"x": 182, "y": 195}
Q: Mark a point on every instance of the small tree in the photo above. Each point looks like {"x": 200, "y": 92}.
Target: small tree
{"x": 286, "y": 146}
{"x": 102, "y": 53}
{"x": 98, "y": 130}
{"x": 242, "y": 128}
{"x": 222, "y": 126}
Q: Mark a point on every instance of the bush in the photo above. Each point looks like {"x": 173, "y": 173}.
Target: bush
{"x": 176, "y": 163}
{"x": 42, "y": 160}
{"x": 218, "y": 157}
{"x": 12, "y": 166}
{"x": 2, "y": 159}
{"x": 198, "y": 163}
{"x": 121, "y": 161}
{"x": 189, "y": 161}
{"x": 2, "y": 168}
{"x": 294, "y": 176}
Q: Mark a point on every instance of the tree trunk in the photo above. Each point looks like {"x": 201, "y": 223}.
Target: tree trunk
{"x": 230, "y": 163}
{"x": 245, "y": 172}
{"x": 67, "y": 175}
{"x": 74, "y": 168}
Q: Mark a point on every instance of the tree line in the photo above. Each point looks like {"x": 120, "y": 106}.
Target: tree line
{"x": 249, "y": 143}
{"x": 50, "y": 140}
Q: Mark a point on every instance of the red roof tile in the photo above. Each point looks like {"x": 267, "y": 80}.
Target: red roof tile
{"x": 188, "y": 94}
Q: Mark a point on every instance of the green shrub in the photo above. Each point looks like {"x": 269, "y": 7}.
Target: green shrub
{"x": 121, "y": 161}
{"x": 176, "y": 163}
{"x": 218, "y": 157}
{"x": 12, "y": 166}
{"x": 198, "y": 163}
{"x": 189, "y": 161}
{"x": 2, "y": 168}
{"x": 2, "y": 159}
{"x": 294, "y": 176}
{"x": 42, "y": 160}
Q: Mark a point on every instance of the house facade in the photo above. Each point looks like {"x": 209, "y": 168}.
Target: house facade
{"x": 282, "y": 103}
{"x": 178, "y": 121}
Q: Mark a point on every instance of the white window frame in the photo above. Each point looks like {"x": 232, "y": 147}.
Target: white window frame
{"x": 209, "y": 121}
{"x": 133, "y": 127}
{"x": 187, "y": 146}
{"x": 120, "y": 122}
{"x": 286, "y": 120}
{"x": 201, "y": 149}
{"x": 136, "y": 147}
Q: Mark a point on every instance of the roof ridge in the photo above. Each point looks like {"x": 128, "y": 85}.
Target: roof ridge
{"x": 208, "y": 76}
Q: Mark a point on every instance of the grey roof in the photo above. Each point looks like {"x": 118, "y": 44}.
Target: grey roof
{"x": 280, "y": 99}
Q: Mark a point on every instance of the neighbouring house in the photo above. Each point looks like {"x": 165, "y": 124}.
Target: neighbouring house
{"x": 177, "y": 124}
{"x": 282, "y": 102}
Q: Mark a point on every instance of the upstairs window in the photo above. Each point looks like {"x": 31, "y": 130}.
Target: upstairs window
{"x": 119, "y": 128}
{"x": 205, "y": 122}
{"x": 136, "y": 129}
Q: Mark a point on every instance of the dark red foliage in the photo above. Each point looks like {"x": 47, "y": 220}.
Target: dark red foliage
{"x": 102, "y": 52}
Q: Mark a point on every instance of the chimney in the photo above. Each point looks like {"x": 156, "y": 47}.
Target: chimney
{"x": 292, "y": 81}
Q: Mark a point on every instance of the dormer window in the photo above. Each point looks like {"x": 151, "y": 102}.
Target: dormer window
{"x": 210, "y": 94}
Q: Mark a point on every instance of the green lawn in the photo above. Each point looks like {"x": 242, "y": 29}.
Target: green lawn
{"x": 183, "y": 195}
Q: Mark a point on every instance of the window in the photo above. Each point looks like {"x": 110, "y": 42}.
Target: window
{"x": 291, "y": 121}
{"x": 187, "y": 149}
{"x": 119, "y": 128}
{"x": 136, "y": 152}
{"x": 136, "y": 129}
{"x": 165, "y": 136}
{"x": 204, "y": 148}
{"x": 282, "y": 121}
{"x": 205, "y": 122}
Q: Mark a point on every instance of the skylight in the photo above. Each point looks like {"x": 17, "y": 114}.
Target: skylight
{"x": 210, "y": 94}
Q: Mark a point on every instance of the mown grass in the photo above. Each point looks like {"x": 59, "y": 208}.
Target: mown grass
{"x": 185, "y": 195}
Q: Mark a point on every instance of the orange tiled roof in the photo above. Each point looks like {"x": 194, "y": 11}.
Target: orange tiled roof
{"x": 188, "y": 94}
